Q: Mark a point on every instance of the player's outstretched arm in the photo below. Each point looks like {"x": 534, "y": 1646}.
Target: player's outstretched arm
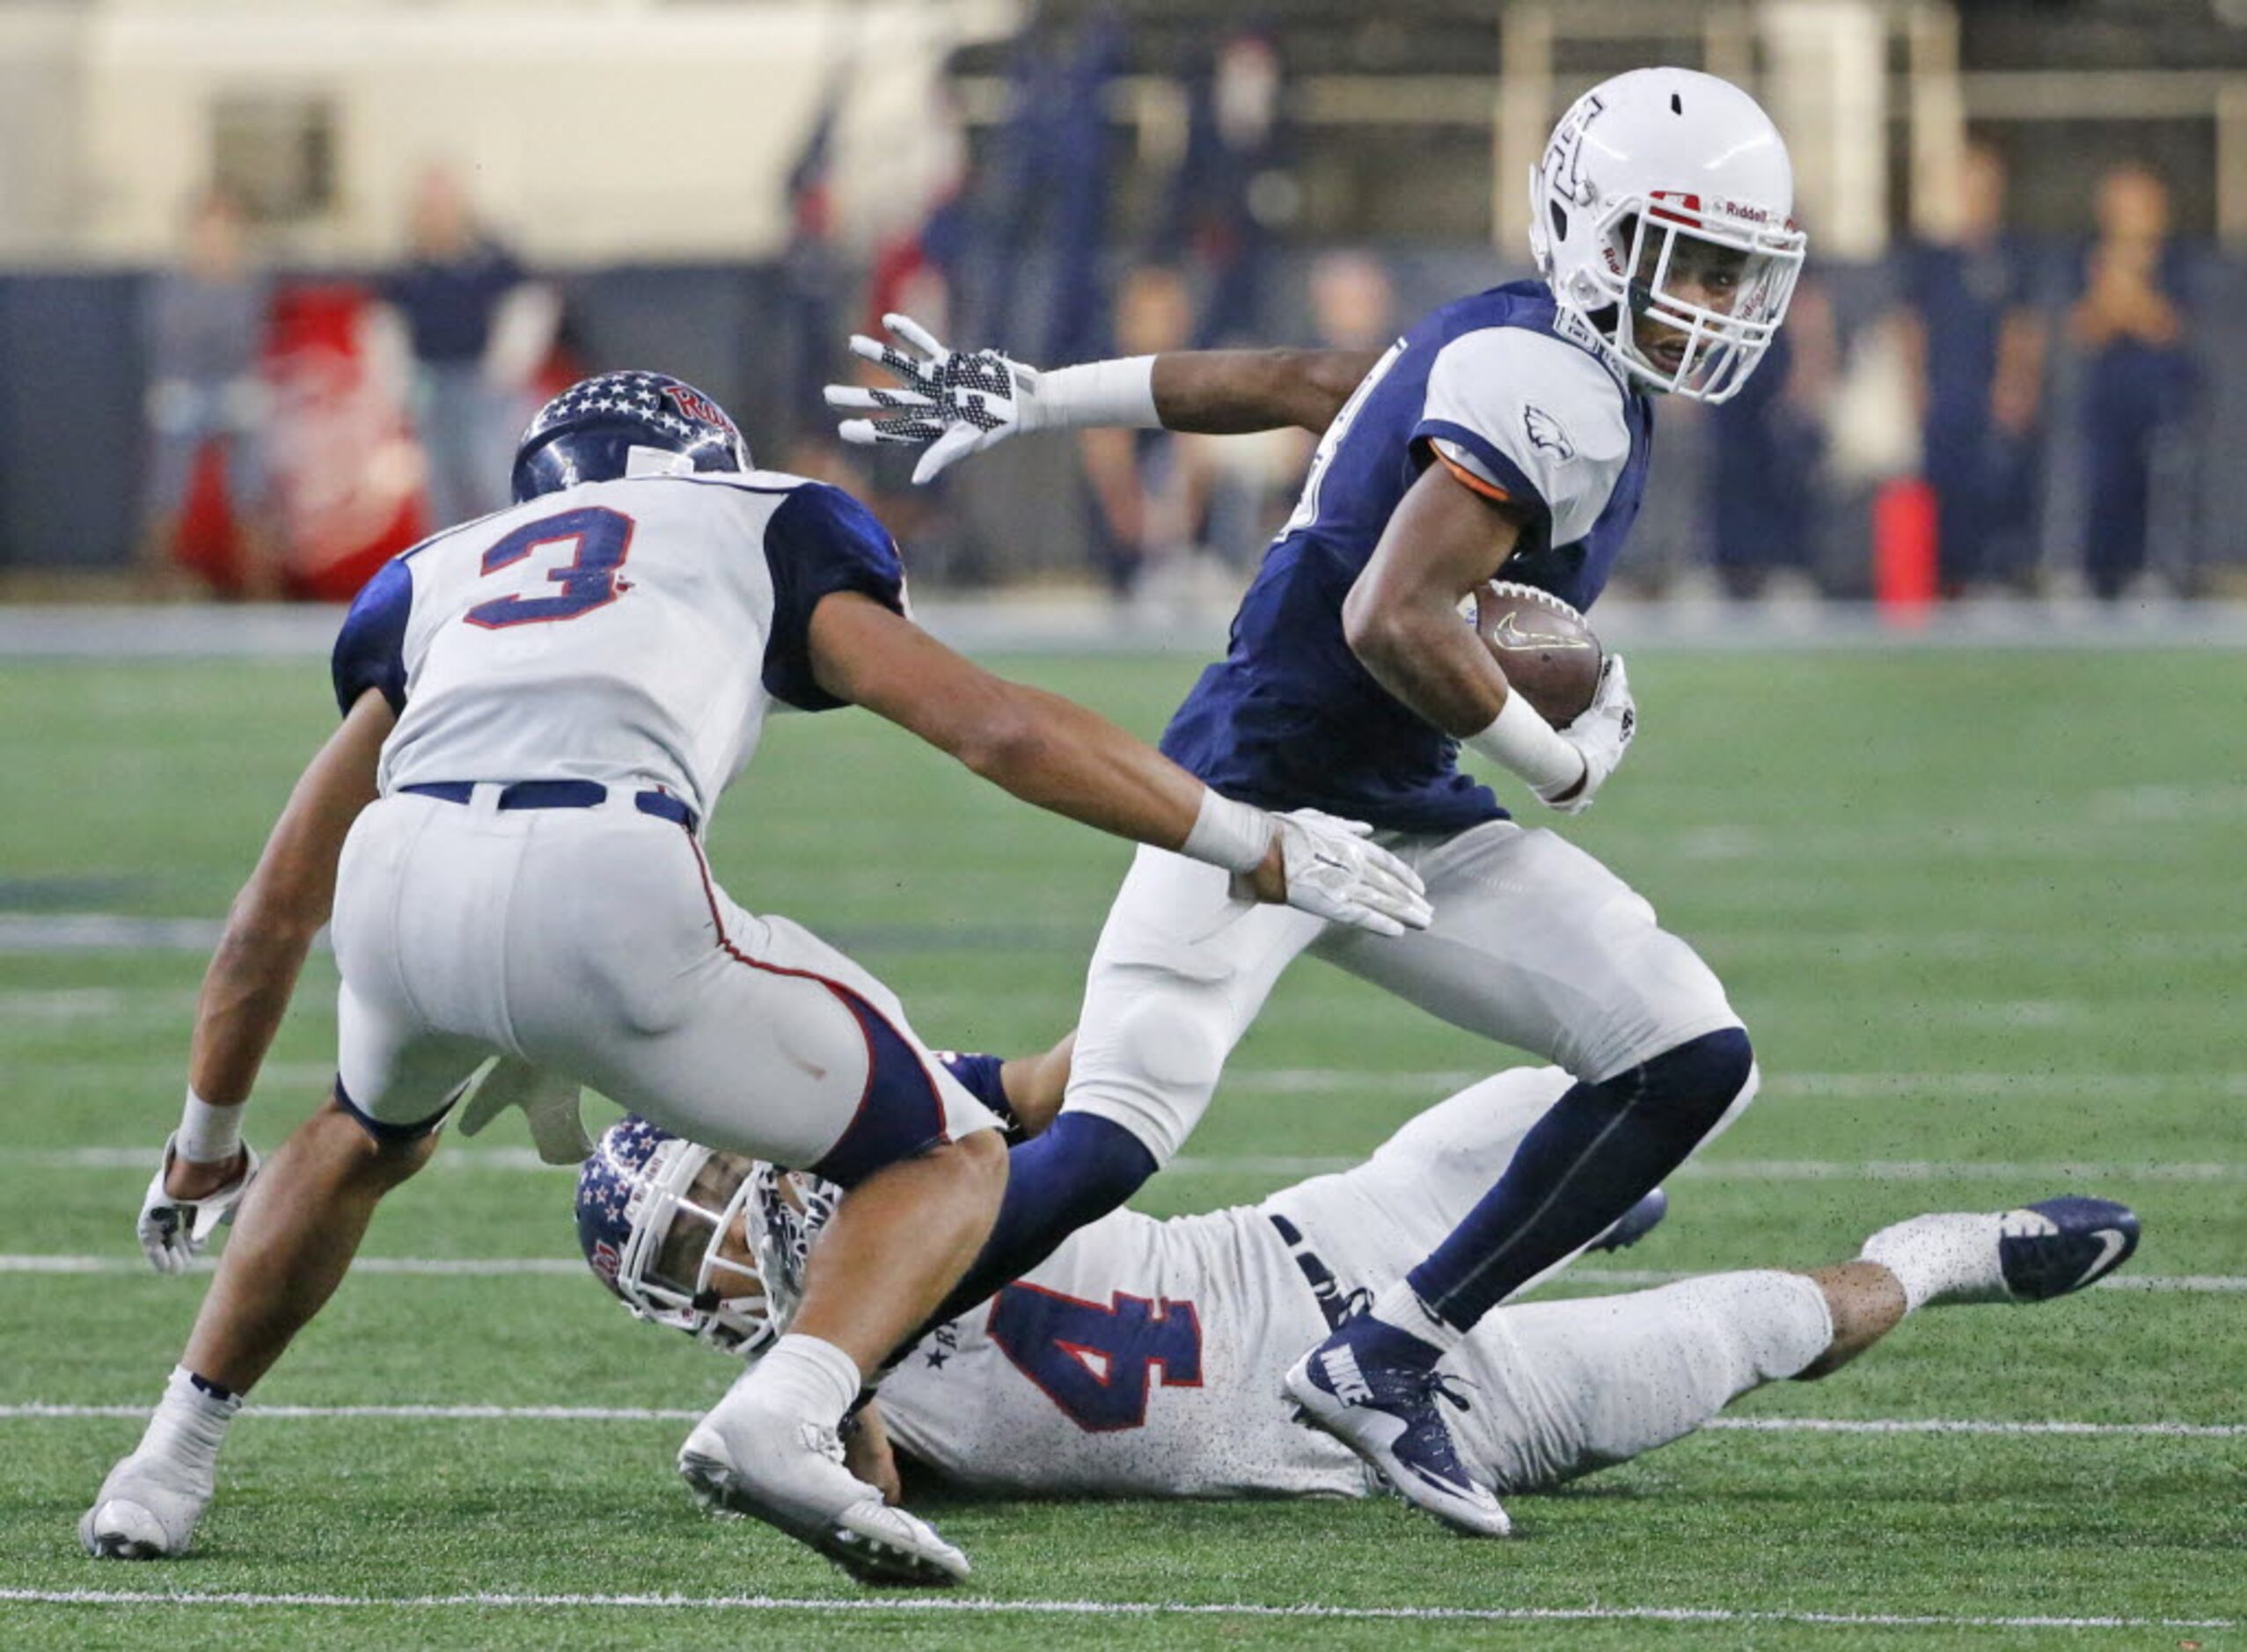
{"x": 1056, "y": 754}
{"x": 246, "y": 988}
{"x": 958, "y": 402}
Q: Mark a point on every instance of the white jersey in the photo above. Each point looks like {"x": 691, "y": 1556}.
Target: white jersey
{"x": 1142, "y": 1358}
{"x": 633, "y": 633}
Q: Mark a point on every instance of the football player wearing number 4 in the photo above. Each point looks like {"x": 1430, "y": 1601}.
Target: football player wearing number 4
{"x": 1505, "y": 435}
{"x": 1144, "y": 1357}
{"x": 540, "y": 709}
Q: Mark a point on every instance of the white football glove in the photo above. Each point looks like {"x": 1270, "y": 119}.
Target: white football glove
{"x": 1601, "y": 733}
{"x": 1334, "y": 873}
{"x": 959, "y": 402}
{"x": 173, "y": 1231}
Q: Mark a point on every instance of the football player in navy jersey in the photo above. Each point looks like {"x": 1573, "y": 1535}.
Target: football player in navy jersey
{"x": 541, "y": 708}
{"x": 1504, "y": 435}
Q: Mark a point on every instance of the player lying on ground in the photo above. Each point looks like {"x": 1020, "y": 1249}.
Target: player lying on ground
{"x": 1145, "y": 1357}
{"x": 1505, "y": 434}
{"x": 541, "y": 709}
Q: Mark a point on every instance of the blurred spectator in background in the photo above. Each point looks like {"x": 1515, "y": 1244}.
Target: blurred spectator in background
{"x": 1257, "y": 477}
{"x": 1976, "y": 345}
{"x": 204, "y": 325}
{"x": 478, "y": 328}
{"x": 1150, "y": 488}
{"x": 1767, "y": 451}
{"x": 2138, "y": 381}
{"x": 1353, "y": 302}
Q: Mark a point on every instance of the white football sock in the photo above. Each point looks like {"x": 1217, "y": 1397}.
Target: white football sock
{"x": 1399, "y": 1305}
{"x": 805, "y": 1377}
{"x": 189, "y": 1425}
{"x": 1942, "y": 1259}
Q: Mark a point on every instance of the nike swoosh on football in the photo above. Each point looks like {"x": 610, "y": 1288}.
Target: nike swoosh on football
{"x": 1507, "y": 634}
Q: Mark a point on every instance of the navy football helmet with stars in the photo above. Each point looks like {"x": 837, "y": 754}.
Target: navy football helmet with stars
{"x": 617, "y": 425}
{"x": 711, "y": 1243}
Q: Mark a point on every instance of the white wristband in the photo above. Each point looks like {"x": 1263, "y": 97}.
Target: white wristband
{"x": 1117, "y": 393}
{"x": 1520, "y": 739}
{"x": 207, "y": 1135}
{"x": 1235, "y": 836}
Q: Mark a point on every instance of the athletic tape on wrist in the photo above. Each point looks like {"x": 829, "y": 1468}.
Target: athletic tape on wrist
{"x": 1521, "y": 741}
{"x": 1119, "y": 393}
{"x": 1235, "y": 836}
{"x": 207, "y": 1135}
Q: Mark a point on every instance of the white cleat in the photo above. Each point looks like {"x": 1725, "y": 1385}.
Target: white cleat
{"x": 146, "y": 1510}
{"x": 789, "y": 1473}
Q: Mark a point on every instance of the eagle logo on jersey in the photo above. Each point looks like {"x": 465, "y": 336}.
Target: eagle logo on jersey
{"x": 1545, "y": 432}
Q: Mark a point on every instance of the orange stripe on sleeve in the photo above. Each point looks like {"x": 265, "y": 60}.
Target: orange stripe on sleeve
{"x": 1487, "y": 489}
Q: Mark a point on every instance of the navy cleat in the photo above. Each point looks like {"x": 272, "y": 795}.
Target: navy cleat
{"x": 2056, "y": 1246}
{"x": 2030, "y": 1254}
{"x": 1634, "y": 1223}
{"x": 1371, "y": 1386}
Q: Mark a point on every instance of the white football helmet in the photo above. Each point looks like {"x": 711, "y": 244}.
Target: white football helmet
{"x": 1665, "y": 197}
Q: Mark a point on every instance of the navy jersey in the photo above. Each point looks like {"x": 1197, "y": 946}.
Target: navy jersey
{"x": 1498, "y": 386}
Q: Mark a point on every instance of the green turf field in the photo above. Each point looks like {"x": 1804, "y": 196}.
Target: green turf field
{"x": 1985, "y": 915}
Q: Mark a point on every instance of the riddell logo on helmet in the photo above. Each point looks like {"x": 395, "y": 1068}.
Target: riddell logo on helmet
{"x": 698, "y": 406}
{"x": 606, "y": 1263}
{"x": 1747, "y": 212}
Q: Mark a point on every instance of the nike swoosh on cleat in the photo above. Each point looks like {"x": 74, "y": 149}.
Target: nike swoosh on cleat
{"x": 2111, "y": 1242}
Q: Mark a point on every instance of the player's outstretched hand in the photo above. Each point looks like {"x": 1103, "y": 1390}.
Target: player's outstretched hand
{"x": 1601, "y": 733}
{"x": 173, "y": 1227}
{"x": 1333, "y": 872}
{"x": 957, "y": 402}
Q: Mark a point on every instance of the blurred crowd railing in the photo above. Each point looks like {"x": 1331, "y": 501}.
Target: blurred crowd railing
{"x": 1940, "y": 422}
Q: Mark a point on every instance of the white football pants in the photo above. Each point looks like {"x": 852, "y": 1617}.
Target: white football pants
{"x": 1534, "y": 944}
{"x": 595, "y": 944}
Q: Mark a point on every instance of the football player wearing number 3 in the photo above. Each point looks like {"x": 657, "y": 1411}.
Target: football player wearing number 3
{"x": 1504, "y": 435}
{"x": 540, "y": 709}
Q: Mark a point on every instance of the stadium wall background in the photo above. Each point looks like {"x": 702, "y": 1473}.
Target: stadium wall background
{"x": 72, "y": 377}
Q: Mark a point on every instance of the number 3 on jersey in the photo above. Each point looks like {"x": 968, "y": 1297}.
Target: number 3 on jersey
{"x": 602, "y": 538}
{"x": 1098, "y": 1363}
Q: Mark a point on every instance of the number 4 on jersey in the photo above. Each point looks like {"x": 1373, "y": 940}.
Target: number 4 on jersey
{"x": 1097, "y": 1364}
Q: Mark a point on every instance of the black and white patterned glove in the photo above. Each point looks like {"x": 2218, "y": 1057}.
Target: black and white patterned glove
{"x": 955, "y": 402}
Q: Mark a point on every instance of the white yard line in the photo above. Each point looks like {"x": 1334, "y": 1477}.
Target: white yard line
{"x": 2035, "y": 1175}
{"x": 2190, "y": 1285}
{"x": 564, "y": 1267}
{"x": 1942, "y": 1425}
{"x": 463, "y": 1266}
{"x": 41, "y": 1411}
{"x": 950, "y": 1605}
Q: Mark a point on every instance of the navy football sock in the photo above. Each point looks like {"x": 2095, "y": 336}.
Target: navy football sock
{"x": 1077, "y": 1172}
{"x": 1601, "y": 1149}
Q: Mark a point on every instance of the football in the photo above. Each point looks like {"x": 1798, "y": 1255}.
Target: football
{"x": 1542, "y": 645}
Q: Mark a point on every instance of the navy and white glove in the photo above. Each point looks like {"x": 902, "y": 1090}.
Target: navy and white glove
{"x": 172, "y": 1231}
{"x": 1601, "y": 733}
{"x": 956, "y": 402}
{"x": 1334, "y": 871}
